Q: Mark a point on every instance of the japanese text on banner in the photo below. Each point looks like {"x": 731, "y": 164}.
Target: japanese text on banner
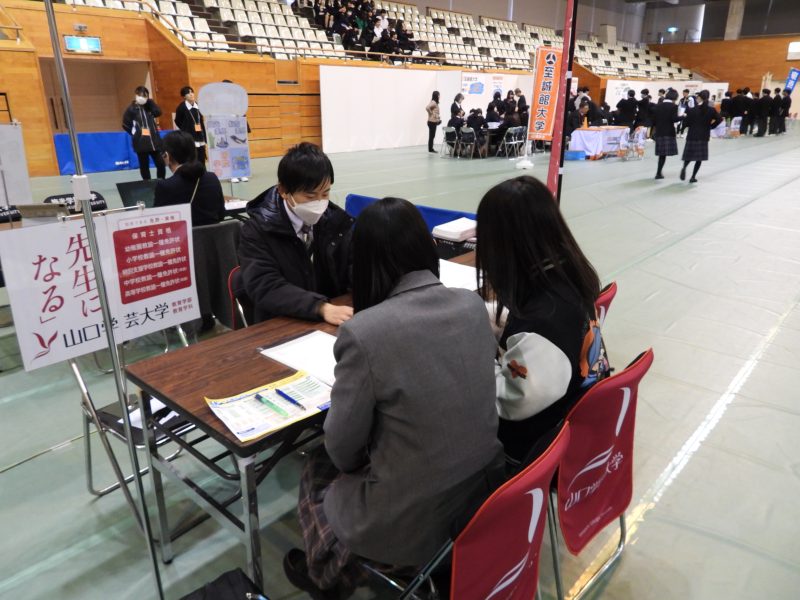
{"x": 545, "y": 94}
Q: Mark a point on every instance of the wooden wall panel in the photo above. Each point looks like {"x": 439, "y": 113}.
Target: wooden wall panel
{"x": 21, "y": 80}
{"x": 122, "y": 32}
{"x": 169, "y": 71}
{"x": 739, "y": 62}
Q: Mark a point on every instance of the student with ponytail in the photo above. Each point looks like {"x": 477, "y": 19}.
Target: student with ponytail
{"x": 190, "y": 182}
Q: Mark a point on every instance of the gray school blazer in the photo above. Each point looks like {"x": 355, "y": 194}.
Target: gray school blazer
{"x": 412, "y": 423}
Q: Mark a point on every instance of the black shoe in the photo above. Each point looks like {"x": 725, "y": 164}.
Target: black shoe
{"x": 659, "y": 176}
{"x": 431, "y": 150}
{"x": 693, "y": 180}
{"x": 296, "y": 569}
{"x": 683, "y": 174}
{"x": 208, "y": 323}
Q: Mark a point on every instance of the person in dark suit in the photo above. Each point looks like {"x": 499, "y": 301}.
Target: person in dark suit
{"x": 455, "y": 107}
{"x": 457, "y": 121}
{"x": 739, "y": 109}
{"x": 295, "y": 248}
{"x": 763, "y": 109}
{"x": 726, "y": 107}
{"x": 662, "y": 94}
{"x": 775, "y": 112}
{"x": 578, "y": 118}
{"x": 700, "y": 120}
{"x": 665, "y": 115}
{"x": 644, "y": 117}
{"x": 522, "y": 106}
{"x": 188, "y": 118}
{"x": 190, "y": 182}
{"x": 411, "y": 432}
{"x": 627, "y": 108}
{"x": 786, "y": 108}
{"x": 139, "y": 121}
{"x": 477, "y": 123}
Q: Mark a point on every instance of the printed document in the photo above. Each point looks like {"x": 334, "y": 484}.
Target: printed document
{"x": 454, "y": 275}
{"x": 271, "y": 407}
{"x": 312, "y": 353}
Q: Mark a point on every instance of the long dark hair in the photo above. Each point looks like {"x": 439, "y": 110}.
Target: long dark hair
{"x": 390, "y": 239}
{"x": 180, "y": 146}
{"x": 525, "y": 246}
{"x": 435, "y": 97}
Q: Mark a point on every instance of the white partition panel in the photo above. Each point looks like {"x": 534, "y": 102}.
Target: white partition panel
{"x": 369, "y": 109}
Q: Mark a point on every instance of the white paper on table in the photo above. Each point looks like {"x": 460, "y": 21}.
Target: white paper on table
{"x": 454, "y": 275}
{"x": 155, "y": 406}
{"x": 312, "y": 353}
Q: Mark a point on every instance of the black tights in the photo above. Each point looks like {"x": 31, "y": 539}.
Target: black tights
{"x": 662, "y": 160}
{"x": 696, "y": 167}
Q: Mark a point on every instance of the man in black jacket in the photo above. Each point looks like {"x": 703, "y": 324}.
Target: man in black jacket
{"x": 762, "y": 109}
{"x": 295, "y": 248}
{"x": 627, "y": 110}
{"x": 786, "y": 105}
{"x": 139, "y": 121}
{"x": 775, "y": 112}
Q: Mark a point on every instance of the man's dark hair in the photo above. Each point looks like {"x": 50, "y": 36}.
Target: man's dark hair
{"x": 739, "y": 90}
{"x": 390, "y": 239}
{"x": 685, "y": 91}
{"x": 304, "y": 168}
{"x": 662, "y": 91}
{"x": 672, "y": 95}
{"x": 525, "y": 247}
{"x": 186, "y": 90}
{"x": 728, "y": 94}
{"x": 142, "y": 91}
{"x": 631, "y": 93}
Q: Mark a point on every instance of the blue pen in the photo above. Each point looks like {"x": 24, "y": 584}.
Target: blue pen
{"x": 289, "y": 399}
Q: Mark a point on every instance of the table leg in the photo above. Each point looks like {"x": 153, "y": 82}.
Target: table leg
{"x": 252, "y": 532}
{"x": 153, "y": 460}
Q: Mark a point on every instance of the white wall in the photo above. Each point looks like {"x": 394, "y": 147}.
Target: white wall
{"x": 688, "y": 20}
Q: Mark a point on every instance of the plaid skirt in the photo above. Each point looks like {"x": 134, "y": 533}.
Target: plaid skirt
{"x": 695, "y": 151}
{"x": 666, "y": 146}
{"x": 329, "y": 562}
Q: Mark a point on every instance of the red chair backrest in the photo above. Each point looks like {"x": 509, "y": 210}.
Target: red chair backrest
{"x": 235, "y": 319}
{"x": 604, "y": 300}
{"x": 497, "y": 554}
{"x": 595, "y": 479}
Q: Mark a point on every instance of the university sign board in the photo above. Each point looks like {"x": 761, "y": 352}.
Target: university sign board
{"x": 546, "y": 85}
{"x": 791, "y": 80}
{"x": 148, "y": 267}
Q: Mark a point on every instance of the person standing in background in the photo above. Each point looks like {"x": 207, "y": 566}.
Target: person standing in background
{"x": 665, "y": 115}
{"x": 763, "y": 109}
{"x": 775, "y": 112}
{"x": 139, "y": 121}
{"x": 188, "y": 118}
{"x": 726, "y": 108}
{"x": 786, "y": 105}
{"x": 434, "y": 119}
{"x": 644, "y": 116}
{"x": 627, "y": 110}
{"x": 522, "y": 107}
{"x": 661, "y": 95}
{"x": 455, "y": 107}
{"x": 700, "y": 120}
{"x": 684, "y": 105}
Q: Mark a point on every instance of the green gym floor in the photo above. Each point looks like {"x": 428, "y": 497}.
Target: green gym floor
{"x": 709, "y": 276}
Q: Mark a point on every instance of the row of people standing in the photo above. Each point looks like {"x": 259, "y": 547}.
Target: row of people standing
{"x": 761, "y": 114}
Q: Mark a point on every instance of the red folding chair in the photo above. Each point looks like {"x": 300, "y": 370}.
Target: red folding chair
{"x": 604, "y": 300}
{"x": 595, "y": 478}
{"x": 237, "y": 310}
{"x": 497, "y": 554}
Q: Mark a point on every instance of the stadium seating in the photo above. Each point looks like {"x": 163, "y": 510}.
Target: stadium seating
{"x": 269, "y": 27}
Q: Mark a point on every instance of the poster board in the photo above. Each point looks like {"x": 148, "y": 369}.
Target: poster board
{"x": 148, "y": 265}
{"x": 15, "y": 185}
{"x": 617, "y": 89}
{"x": 228, "y": 152}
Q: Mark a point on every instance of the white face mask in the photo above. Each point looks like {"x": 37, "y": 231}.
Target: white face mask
{"x": 141, "y": 100}
{"x": 309, "y": 212}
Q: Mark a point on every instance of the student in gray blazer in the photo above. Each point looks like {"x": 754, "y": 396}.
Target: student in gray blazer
{"x": 411, "y": 434}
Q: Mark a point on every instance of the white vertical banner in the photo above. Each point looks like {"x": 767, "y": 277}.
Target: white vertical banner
{"x": 148, "y": 265}
{"x": 14, "y": 182}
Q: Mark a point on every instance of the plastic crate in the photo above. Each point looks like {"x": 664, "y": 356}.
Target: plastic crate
{"x": 574, "y": 155}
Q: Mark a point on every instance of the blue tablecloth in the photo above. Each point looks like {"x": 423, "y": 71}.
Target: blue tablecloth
{"x": 100, "y": 151}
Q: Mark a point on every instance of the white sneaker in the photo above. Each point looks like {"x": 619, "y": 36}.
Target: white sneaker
{"x": 234, "y": 180}
{"x": 245, "y": 179}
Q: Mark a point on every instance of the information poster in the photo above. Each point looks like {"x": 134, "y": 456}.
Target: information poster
{"x": 545, "y": 94}
{"x": 148, "y": 267}
{"x": 228, "y": 152}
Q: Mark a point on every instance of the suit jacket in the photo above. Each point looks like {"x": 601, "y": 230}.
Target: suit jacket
{"x": 777, "y": 102}
{"x": 208, "y": 206}
{"x": 277, "y": 274}
{"x": 627, "y": 110}
{"x": 786, "y": 105}
{"x": 701, "y": 120}
{"x": 665, "y": 115}
{"x": 186, "y": 120}
{"x": 739, "y": 105}
{"x": 412, "y": 423}
{"x": 764, "y": 106}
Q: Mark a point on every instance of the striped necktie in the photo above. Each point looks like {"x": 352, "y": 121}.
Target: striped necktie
{"x": 307, "y": 236}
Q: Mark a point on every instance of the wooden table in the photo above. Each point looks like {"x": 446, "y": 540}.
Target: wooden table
{"x": 221, "y": 367}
